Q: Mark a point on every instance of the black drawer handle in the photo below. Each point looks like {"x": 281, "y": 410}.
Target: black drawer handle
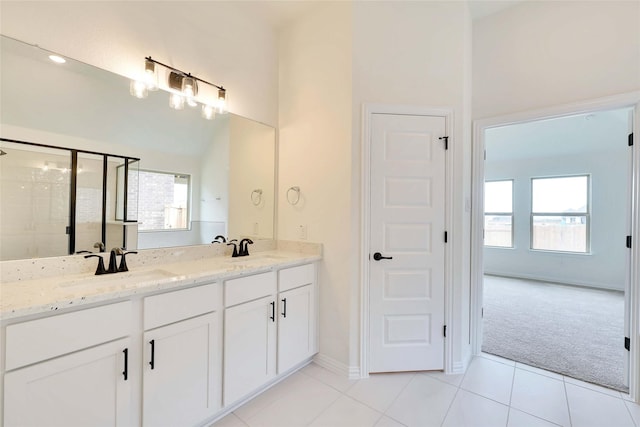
{"x": 125, "y": 373}
{"x": 284, "y": 307}
{"x": 152, "y": 363}
{"x": 273, "y": 311}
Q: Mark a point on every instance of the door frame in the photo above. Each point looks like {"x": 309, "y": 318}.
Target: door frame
{"x": 365, "y": 169}
{"x": 630, "y": 99}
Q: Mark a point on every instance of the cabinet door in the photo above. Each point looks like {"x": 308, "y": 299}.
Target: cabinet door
{"x": 86, "y": 388}
{"x": 249, "y": 347}
{"x": 181, "y": 372}
{"x": 296, "y": 327}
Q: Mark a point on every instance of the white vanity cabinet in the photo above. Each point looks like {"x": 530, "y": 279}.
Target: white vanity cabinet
{"x": 181, "y": 356}
{"x": 70, "y": 370}
{"x": 270, "y": 327}
{"x": 249, "y": 334}
{"x": 297, "y": 335}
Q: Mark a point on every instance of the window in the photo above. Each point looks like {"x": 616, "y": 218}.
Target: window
{"x": 560, "y": 214}
{"x": 163, "y": 201}
{"x": 498, "y": 213}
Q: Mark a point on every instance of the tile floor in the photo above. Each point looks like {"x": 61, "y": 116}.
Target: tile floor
{"x": 494, "y": 392}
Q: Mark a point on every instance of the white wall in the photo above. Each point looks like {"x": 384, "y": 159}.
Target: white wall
{"x": 608, "y": 163}
{"x": 544, "y": 53}
{"x": 333, "y": 61}
{"x": 316, "y": 155}
{"x": 235, "y": 49}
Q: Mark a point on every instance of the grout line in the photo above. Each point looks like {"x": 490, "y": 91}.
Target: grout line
{"x": 629, "y": 412}
{"x": 446, "y": 414}
{"x": 566, "y": 397}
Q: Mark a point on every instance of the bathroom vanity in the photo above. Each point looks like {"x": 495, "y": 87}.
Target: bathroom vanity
{"x": 180, "y": 342}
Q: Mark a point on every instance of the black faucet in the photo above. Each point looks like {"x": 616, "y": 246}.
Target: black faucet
{"x": 219, "y": 239}
{"x": 244, "y": 247}
{"x": 235, "y": 248}
{"x": 113, "y": 267}
{"x": 123, "y": 261}
{"x": 100, "y": 269}
{"x": 99, "y": 246}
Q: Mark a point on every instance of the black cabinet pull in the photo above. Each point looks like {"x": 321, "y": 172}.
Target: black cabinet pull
{"x": 153, "y": 353}
{"x": 273, "y": 311}
{"x": 126, "y": 364}
{"x": 284, "y": 307}
{"x": 378, "y": 256}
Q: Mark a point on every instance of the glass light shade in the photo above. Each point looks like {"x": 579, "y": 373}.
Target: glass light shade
{"x": 150, "y": 75}
{"x": 190, "y": 89}
{"x": 221, "y": 106}
{"x": 138, "y": 89}
{"x": 176, "y": 101}
{"x": 208, "y": 112}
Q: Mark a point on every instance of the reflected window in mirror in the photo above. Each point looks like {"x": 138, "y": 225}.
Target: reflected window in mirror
{"x": 163, "y": 201}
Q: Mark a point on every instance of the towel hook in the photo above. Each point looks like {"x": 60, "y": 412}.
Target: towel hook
{"x": 256, "y": 196}
{"x": 296, "y": 190}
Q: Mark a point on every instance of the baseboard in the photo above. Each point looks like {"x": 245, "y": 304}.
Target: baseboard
{"x": 459, "y": 367}
{"x": 337, "y": 367}
{"x": 538, "y": 278}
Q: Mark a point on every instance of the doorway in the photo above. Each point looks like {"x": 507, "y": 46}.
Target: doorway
{"x": 523, "y": 237}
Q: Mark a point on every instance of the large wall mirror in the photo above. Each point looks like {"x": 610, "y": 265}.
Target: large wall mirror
{"x": 196, "y": 178}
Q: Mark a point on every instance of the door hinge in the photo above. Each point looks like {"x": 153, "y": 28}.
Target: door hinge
{"x": 627, "y": 343}
{"x": 629, "y": 242}
{"x": 446, "y": 237}
{"x": 446, "y": 141}
{"x": 630, "y": 139}
{"x": 444, "y": 331}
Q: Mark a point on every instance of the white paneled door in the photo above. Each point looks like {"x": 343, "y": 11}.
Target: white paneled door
{"x": 407, "y": 243}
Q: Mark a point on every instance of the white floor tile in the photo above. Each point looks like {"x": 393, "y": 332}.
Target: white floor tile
{"x": 296, "y": 407}
{"x": 339, "y": 382}
{"x": 591, "y": 408}
{"x": 634, "y": 409}
{"x": 521, "y": 419}
{"x": 593, "y": 387}
{"x": 388, "y": 422}
{"x": 453, "y": 379}
{"x": 260, "y": 402}
{"x": 230, "y": 420}
{"x": 497, "y": 359}
{"x": 379, "y": 390}
{"x": 490, "y": 379}
{"x": 539, "y": 371}
{"x": 541, "y": 396}
{"x": 347, "y": 412}
{"x": 471, "y": 410}
{"x": 424, "y": 402}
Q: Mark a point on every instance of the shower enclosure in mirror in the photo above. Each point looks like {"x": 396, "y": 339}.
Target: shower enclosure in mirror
{"x": 219, "y": 163}
{"x": 58, "y": 201}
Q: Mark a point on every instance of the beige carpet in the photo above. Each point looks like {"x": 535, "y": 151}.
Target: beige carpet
{"x": 574, "y": 331}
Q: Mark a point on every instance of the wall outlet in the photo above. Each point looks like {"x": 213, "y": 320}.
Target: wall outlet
{"x": 302, "y": 232}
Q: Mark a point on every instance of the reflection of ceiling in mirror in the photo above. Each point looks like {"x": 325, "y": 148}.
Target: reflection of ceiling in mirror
{"x": 84, "y": 101}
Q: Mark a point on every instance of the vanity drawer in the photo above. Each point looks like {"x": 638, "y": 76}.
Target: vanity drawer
{"x": 249, "y": 288}
{"x": 175, "y": 306}
{"x": 295, "y": 277}
{"x": 36, "y": 340}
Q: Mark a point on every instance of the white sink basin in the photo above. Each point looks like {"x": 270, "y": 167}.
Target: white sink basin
{"x": 116, "y": 278}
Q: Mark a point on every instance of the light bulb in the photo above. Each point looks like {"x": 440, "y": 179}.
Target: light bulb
{"x": 46, "y": 166}
{"x": 190, "y": 89}
{"x": 138, "y": 89}
{"x": 176, "y": 101}
{"x": 150, "y": 75}
{"x": 208, "y": 112}
{"x": 221, "y": 106}
{"x": 57, "y": 59}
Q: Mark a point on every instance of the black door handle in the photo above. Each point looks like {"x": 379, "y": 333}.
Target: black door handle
{"x": 152, "y": 363}
{"x": 378, "y": 256}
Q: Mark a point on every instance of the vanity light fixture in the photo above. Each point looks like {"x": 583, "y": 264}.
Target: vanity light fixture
{"x": 183, "y": 88}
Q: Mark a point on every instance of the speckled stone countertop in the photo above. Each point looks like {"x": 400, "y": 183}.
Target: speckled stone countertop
{"x": 38, "y": 286}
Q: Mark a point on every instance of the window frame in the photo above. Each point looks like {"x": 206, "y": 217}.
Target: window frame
{"x": 586, "y": 215}
{"x": 510, "y": 214}
{"x": 189, "y": 210}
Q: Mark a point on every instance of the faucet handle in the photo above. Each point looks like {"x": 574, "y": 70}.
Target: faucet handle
{"x": 123, "y": 261}
{"x": 219, "y": 239}
{"x": 100, "y": 269}
{"x": 235, "y": 248}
